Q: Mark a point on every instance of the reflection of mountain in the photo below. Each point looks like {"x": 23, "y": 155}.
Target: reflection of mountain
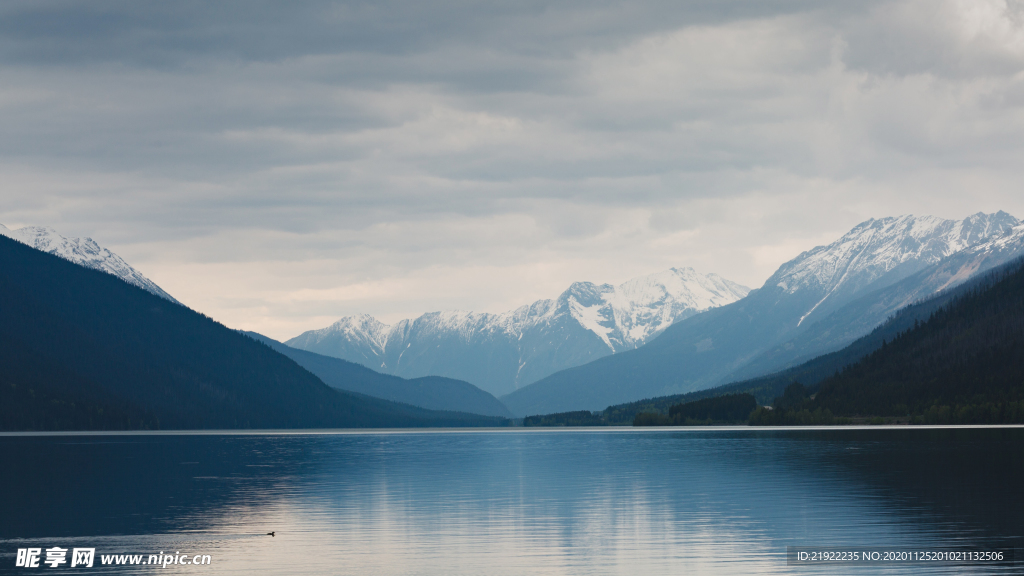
{"x": 501, "y": 352}
{"x": 925, "y": 474}
{"x": 81, "y": 349}
{"x": 116, "y": 485}
{"x": 523, "y": 503}
{"x": 816, "y": 303}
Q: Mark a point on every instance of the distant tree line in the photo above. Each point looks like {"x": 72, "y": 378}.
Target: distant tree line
{"x": 728, "y": 409}
{"x": 577, "y": 418}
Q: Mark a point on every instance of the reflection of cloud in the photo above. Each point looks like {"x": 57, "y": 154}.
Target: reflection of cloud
{"x": 373, "y": 144}
{"x": 515, "y": 502}
{"x": 583, "y": 502}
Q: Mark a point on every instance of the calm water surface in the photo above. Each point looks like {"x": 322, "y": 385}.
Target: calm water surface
{"x": 514, "y": 502}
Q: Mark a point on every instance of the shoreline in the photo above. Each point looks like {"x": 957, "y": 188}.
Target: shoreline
{"x": 515, "y": 430}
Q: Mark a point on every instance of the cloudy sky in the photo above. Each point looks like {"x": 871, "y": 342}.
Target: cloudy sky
{"x": 277, "y": 165}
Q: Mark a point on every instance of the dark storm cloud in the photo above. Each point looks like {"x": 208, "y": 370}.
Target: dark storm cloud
{"x": 176, "y": 33}
{"x": 330, "y": 158}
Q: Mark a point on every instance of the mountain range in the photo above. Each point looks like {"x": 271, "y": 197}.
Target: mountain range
{"x": 102, "y": 355}
{"x": 767, "y": 387}
{"x": 81, "y": 349}
{"x": 503, "y": 352}
{"x": 85, "y": 252}
{"x": 835, "y": 293}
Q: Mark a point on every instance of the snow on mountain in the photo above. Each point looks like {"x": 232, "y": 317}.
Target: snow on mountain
{"x": 501, "y": 352}
{"x": 976, "y": 259}
{"x": 864, "y": 313}
{"x": 890, "y": 248}
{"x": 361, "y": 332}
{"x": 85, "y": 252}
{"x": 1008, "y": 245}
{"x": 643, "y": 307}
{"x": 623, "y": 316}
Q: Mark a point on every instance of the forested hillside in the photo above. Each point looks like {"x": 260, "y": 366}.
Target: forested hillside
{"x": 81, "y": 349}
{"x": 728, "y": 409}
{"x": 963, "y": 364}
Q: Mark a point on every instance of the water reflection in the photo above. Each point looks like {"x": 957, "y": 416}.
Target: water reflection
{"x": 516, "y": 502}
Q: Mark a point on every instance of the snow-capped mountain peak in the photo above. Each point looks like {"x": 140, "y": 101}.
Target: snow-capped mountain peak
{"x": 85, "y": 252}
{"x": 519, "y": 346}
{"x": 375, "y": 331}
{"x": 882, "y": 250}
{"x": 628, "y": 315}
{"x": 360, "y": 332}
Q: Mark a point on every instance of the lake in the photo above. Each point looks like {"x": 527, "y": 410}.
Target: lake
{"x": 516, "y": 501}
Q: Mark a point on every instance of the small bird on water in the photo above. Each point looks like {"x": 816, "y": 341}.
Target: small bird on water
{"x": 270, "y": 533}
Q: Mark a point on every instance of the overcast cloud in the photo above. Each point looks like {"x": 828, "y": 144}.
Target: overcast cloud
{"x": 279, "y": 165}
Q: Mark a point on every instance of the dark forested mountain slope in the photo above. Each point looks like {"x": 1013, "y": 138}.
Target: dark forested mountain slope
{"x": 81, "y": 349}
{"x": 965, "y": 363}
{"x": 432, "y": 392}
